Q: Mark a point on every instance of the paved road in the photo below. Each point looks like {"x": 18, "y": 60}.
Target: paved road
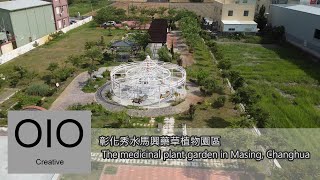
{"x": 73, "y": 94}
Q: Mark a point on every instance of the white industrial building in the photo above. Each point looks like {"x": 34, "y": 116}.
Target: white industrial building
{"x": 302, "y": 25}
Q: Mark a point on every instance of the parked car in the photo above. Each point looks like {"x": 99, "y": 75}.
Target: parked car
{"x": 109, "y": 23}
{"x": 73, "y": 21}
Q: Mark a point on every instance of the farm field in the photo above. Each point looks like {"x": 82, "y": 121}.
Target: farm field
{"x": 125, "y": 5}
{"x": 286, "y": 79}
{"x": 85, "y": 7}
{"x": 201, "y": 9}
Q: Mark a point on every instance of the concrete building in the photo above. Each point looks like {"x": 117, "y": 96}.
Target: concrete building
{"x": 235, "y": 15}
{"x": 302, "y": 25}
{"x": 267, "y": 3}
{"x": 61, "y": 13}
{"x": 26, "y": 20}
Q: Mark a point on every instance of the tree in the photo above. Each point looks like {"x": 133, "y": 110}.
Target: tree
{"x": 164, "y": 55}
{"x": 260, "y": 18}
{"x": 141, "y": 38}
{"x": 246, "y": 95}
{"x": 236, "y": 79}
{"x": 75, "y": 60}
{"x": 259, "y": 115}
{"x": 191, "y": 111}
{"x": 21, "y": 71}
{"x": 110, "y": 13}
{"x": 224, "y": 64}
{"x": 94, "y": 55}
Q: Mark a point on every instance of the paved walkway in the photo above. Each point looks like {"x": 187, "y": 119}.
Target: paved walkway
{"x": 73, "y": 94}
{"x": 181, "y": 47}
{"x": 7, "y": 93}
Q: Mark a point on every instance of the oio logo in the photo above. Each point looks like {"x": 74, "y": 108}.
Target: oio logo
{"x": 49, "y": 142}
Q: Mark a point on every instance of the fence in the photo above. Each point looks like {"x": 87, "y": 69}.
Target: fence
{"x": 77, "y": 24}
{"x": 32, "y": 45}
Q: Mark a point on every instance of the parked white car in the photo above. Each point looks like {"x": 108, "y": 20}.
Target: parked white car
{"x": 109, "y": 23}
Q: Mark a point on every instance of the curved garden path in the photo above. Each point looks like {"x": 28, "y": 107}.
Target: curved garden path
{"x": 73, "y": 94}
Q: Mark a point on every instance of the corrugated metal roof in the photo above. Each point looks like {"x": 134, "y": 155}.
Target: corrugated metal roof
{"x": 21, "y": 4}
{"x": 237, "y": 22}
{"x": 302, "y": 8}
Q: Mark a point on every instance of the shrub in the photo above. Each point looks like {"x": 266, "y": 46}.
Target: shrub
{"x": 27, "y": 100}
{"x": 224, "y": 64}
{"x": 209, "y": 86}
{"x": 38, "y": 90}
{"x": 201, "y": 76}
{"x": 219, "y": 102}
{"x": 236, "y": 80}
{"x": 192, "y": 111}
{"x": 13, "y": 80}
{"x": 108, "y": 94}
{"x": 159, "y": 119}
{"x": 63, "y": 73}
{"x": 164, "y": 55}
{"x": 247, "y": 96}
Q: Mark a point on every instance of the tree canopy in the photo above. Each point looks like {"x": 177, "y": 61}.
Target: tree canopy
{"x": 110, "y": 13}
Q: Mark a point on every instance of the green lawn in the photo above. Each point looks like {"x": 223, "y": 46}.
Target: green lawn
{"x": 286, "y": 78}
{"x": 72, "y": 43}
{"x": 38, "y": 60}
{"x": 85, "y": 7}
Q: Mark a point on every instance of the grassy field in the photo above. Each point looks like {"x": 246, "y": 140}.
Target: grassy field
{"x": 86, "y": 7}
{"x": 285, "y": 78}
{"x": 38, "y": 60}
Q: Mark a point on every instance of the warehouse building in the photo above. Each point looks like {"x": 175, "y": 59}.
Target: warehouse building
{"x": 302, "y": 25}
{"x": 25, "y": 21}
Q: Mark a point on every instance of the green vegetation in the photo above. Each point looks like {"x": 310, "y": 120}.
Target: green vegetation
{"x": 55, "y": 62}
{"x": 107, "y": 119}
{"x": 110, "y": 13}
{"x": 206, "y": 74}
{"x": 164, "y": 54}
{"x": 85, "y": 6}
{"x": 285, "y": 80}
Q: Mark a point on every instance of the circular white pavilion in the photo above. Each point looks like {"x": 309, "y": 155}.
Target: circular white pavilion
{"x": 149, "y": 83}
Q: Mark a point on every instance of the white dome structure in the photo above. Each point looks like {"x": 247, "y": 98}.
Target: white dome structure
{"x": 147, "y": 83}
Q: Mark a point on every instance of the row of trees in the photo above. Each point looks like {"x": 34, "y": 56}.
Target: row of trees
{"x": 244, "y": 94}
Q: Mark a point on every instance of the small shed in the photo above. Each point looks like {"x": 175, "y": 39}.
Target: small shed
{"x": 158, "y": 31}
{"x": 123, "y": 49}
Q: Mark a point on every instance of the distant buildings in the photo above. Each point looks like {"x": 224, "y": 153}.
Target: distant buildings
{"x": 61, "y": 13}
{"x": 235, "y": 15}
{"x": 24, "y": 21}
{"x": 302, "y": 25}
